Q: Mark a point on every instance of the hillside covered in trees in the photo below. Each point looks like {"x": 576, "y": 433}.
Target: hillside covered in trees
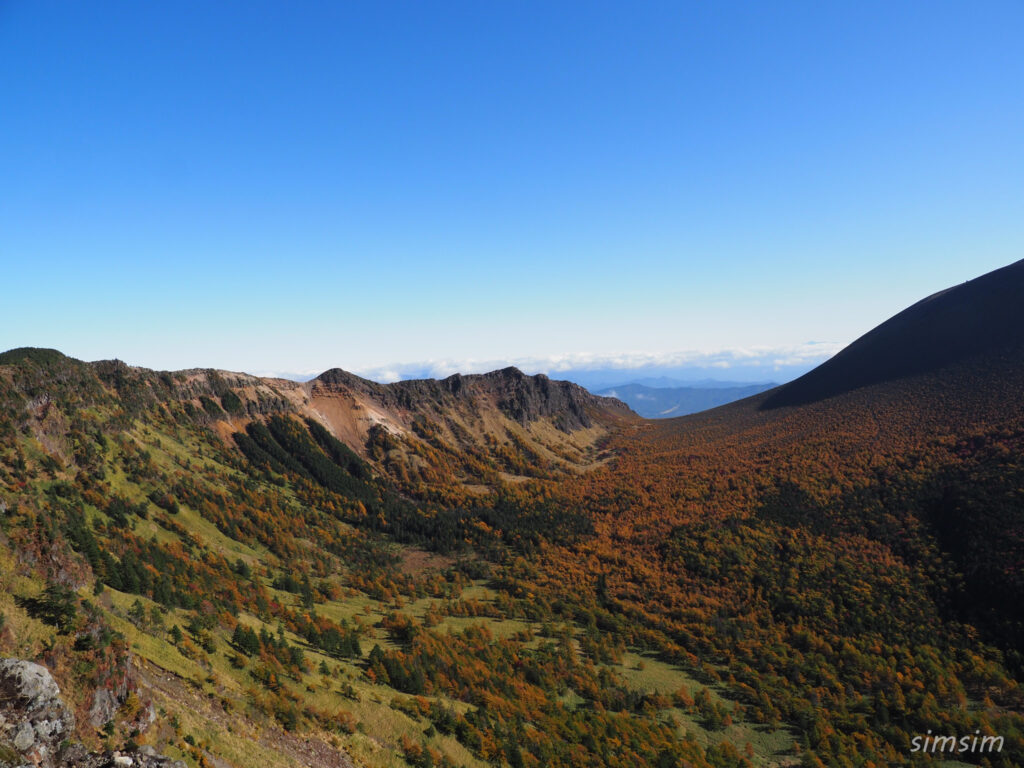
{"x": 505, "y": 570}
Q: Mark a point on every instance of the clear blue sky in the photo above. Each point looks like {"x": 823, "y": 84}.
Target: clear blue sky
{"x": 292, "y": 186}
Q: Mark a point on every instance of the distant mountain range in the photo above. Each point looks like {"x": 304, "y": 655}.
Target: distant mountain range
{"x": 667, "y": 382}
{"x": 660, "y": 402}
{"x": 734, "y": 374}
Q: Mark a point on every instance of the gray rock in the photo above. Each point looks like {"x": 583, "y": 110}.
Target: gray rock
{"x": 25, "y": 737}
{"x": 104, "y": 706}
{"x": 36, "y": 722}
{"x": 31, "y": 683}
{"x": 33, "y": 718}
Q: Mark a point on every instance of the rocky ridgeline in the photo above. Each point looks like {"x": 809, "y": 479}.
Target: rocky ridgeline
{"x": 36, "y": 726}
{"x": 524, "y": 399}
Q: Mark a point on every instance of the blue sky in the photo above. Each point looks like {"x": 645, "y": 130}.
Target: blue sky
{"x": 295, "y": 186}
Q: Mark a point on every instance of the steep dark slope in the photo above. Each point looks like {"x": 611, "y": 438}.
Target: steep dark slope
{"x": 980, "y": 318}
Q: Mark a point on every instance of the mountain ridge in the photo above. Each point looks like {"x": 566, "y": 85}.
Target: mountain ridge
{"x": 433, "y": 421}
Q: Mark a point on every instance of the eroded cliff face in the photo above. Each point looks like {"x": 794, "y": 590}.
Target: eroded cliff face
{"x": 524, "y": 399}
{"x": 484, "y": 416}
{"x": 470, "y": 399}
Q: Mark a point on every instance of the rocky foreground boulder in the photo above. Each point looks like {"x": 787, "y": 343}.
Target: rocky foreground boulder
{"x": 36, "y": 726}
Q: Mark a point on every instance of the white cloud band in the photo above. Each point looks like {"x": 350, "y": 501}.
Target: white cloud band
{"x": 769, "y": 358}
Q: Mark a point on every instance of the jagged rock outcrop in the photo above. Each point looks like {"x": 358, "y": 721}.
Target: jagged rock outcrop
{"x": 528, "y": 398}
{"x": 33, "y": 719}
{"x": 36, "y": 726}
{"x": 112, "y": 694}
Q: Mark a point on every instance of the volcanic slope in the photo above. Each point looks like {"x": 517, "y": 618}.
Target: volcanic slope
{"x": 973, "y": 324}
